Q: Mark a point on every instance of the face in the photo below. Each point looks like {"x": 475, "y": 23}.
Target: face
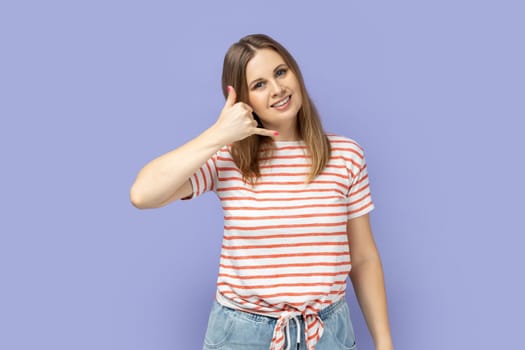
{"x": 274, "y": 92}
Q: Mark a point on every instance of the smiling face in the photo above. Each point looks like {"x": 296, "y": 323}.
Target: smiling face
{"x": 274, "y": 92}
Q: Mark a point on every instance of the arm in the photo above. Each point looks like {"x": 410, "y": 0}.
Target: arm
{"x": 368, "y": 282}
{"x": 166, "y": 178}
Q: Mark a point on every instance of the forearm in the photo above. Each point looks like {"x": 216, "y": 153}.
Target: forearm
{"x": 368, "y": 282}
{"x": 165, "y": 178}
{"x": 162, "y": 177}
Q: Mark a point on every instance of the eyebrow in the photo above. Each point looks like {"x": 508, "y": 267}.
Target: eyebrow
{"x": 274, "y": 70}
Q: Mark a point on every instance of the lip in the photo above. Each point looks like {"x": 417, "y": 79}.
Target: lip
{"x": 283, "y": 107}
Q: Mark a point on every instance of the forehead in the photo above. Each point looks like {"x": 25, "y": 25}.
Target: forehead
{"x": 262, "y": 64}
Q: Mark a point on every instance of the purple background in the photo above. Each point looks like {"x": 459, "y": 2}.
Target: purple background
{"x": 90, "y": 91}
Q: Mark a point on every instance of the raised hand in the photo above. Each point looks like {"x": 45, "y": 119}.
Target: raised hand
{"x": 236, "y": 121}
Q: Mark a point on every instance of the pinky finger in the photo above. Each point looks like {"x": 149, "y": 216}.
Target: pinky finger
{"x": 265, "y": 132}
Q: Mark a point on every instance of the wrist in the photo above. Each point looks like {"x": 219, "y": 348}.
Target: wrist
{"x": 212, "y": 136}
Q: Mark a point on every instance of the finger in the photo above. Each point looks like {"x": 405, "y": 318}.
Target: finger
{"x": 245, "y": 106}
{"x": 232, "y": 96}
{"x": 265, "y": 132}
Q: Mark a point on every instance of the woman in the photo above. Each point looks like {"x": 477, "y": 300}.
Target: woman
{"x": 295, "y": 202}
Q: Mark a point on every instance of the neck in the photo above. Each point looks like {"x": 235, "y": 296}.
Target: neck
{"x": 286, "y": 133}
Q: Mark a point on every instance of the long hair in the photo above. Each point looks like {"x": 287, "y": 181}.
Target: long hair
{"x": 247, "y": 152}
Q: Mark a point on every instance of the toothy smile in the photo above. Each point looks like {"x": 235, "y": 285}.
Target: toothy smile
{"x": 282, "y": 102}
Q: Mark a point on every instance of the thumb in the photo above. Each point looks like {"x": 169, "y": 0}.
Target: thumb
{"x": 232, "y": 96}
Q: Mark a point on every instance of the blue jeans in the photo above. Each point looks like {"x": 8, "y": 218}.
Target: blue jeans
{"x": 230, "y": 329}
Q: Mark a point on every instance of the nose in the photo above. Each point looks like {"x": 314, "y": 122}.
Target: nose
{"x": 277, "y": 89}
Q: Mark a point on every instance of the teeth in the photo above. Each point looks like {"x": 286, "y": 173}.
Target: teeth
{"x": 282, "y": 103}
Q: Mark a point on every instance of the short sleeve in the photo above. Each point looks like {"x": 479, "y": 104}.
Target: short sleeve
{"x": 359, "y": 198}
{"x": 205, "y": 178}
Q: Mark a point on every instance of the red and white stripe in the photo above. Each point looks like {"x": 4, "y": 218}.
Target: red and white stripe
{"x": 285, "y": 247}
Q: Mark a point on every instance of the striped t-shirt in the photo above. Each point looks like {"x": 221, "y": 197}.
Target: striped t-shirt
{"x": 285, "y": 248}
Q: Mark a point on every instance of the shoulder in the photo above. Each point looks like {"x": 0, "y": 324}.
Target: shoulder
{"x": 224, "y": 151}
{"x": 223, "y": 157}
{"x": 344, "y": 145}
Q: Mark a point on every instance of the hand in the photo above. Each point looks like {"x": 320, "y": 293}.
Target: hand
{"x": 390, "y": 347}
{"x": 385, "y": 345}
{"x": 236, "y": 121}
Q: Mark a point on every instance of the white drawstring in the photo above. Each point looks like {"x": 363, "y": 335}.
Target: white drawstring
{"x": 313, "y": 330}
{"x": 298, "y": 326}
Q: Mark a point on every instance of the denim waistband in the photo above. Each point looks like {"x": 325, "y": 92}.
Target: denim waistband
{"x": 323, "y": 314}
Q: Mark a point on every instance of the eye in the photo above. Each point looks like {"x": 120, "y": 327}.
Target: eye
{"x": 258, "y": 85}
{"x": 281, "y": 72}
